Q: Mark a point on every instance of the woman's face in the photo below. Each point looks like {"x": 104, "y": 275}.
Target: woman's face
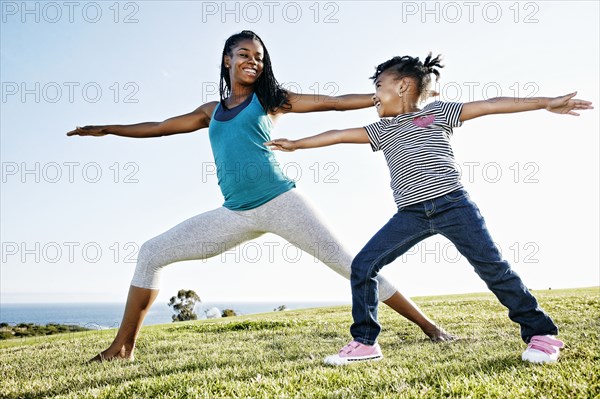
{"x": 246, "y": 62}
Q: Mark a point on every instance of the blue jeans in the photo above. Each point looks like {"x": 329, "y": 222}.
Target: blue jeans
{"x": 457, "y": 218}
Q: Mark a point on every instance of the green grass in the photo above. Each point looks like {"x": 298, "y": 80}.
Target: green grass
{"x": 279, "y": 355}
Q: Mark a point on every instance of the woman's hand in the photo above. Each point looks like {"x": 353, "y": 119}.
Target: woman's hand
{"x": 88, "y": 131}
{"x": 282, "y": 145}
{"x": 566, "y": 104}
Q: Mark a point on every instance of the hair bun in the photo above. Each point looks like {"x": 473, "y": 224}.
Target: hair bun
{"x": 431, "y": 64}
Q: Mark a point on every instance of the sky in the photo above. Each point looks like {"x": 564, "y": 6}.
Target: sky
{"x": 75, "y": 210}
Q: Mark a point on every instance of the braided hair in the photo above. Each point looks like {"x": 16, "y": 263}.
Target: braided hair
{"x": 412, "y": 67}
{"x": 270, "y": 94}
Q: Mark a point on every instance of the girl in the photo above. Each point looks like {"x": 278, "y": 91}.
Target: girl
{"x": 255, "y": 203}
{"x": 431, "y": 199}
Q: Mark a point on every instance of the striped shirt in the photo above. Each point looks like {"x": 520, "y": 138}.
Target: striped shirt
{"x": 417, "y": 149}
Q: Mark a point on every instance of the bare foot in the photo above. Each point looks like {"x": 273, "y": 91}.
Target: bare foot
{"x": 438, "y": 334}
{"x": 108, "y": 355}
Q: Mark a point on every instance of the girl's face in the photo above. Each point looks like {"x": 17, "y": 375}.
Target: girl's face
{"x": 386, "y": 98}
{"x": 246, "y": 62}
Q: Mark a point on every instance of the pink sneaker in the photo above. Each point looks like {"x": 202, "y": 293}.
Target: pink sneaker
{"x": 355, "y": 352}
{"x": 542, "y": 349}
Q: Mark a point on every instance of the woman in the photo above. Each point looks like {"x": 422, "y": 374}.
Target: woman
{"x": 258, "y": 197}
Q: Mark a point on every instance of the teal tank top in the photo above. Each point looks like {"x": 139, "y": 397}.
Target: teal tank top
{"x": 247, "y": 170}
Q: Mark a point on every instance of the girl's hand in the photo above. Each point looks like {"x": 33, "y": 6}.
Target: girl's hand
{"x": 88, "y": 131}
{"x": 566, "y": 104}
{"x": 282, "y": 145}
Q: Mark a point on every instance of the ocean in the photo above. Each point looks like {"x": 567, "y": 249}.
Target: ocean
{"x": 109, "y": 315}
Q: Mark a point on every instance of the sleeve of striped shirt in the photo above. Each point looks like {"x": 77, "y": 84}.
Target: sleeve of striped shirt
{"x": 451, "y": 112}
{"x": 374, "y": 131}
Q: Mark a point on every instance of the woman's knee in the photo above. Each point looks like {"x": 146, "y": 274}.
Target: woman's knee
{"x": 145, "y": 253}
{"x": 147, "y": 272}
{"x": 148, "y": 256}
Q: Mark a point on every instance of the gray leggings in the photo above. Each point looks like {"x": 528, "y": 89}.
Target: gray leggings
{"x": 289, "y": 215}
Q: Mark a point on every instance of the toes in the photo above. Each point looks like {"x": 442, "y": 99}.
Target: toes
{"x": 97, "y": 359}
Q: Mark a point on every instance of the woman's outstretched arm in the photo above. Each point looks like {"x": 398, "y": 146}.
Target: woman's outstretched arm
{"x": 197, "y": 119}
{"x": 313, "y": 103}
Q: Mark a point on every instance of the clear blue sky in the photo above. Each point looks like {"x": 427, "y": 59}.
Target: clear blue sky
{"x": 75, "y": 209}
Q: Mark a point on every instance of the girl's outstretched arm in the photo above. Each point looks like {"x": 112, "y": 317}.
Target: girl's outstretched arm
{"x": 313, "y": 103}
{"x": 197, "y": 119}
{"x": 503, "y": 105}
{"x": 330, "y": 137}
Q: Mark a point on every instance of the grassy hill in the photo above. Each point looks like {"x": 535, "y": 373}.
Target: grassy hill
{"x": 279, "y": 355}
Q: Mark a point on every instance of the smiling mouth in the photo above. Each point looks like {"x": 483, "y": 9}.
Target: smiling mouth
{"x": 250, "y": 71}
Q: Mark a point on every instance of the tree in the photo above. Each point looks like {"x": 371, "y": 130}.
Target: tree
{"x": 280, "y": 308}
{"x": 228, "y": 313}
{"x": 183, "y": 304}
